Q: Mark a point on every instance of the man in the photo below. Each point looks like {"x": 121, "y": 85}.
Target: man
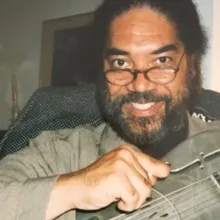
{"x": 149, "y": 76}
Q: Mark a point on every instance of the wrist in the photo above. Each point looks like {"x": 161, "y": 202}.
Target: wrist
{"x": 67, "y": 187}
{"x": 62, "y": 196}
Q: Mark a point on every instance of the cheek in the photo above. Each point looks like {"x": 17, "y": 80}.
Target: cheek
{"x": 116, "y": 91}
{"x": 177, "y": 88}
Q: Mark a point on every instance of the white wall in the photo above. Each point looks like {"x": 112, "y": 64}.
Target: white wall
{"x": 215, "y": 78}
{"x": 20, "y": 42}
{"x": 205, "y": 8}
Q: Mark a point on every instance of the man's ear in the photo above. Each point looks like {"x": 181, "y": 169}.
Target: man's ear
{"x": 192, "y": 66}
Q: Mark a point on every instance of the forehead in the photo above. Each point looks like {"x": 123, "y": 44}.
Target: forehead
{"x": 141, "y": 28}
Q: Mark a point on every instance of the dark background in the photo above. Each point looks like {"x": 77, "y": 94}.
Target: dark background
{"x": 73, "y": 58}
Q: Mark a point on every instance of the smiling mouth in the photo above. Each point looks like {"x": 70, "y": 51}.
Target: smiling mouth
{"x": 145, "y": 109}
{"x": 142, "y": 106}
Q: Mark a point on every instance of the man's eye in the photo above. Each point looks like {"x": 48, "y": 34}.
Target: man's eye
{"x": 163, "y": 60}
{"x": 118, "y": 63}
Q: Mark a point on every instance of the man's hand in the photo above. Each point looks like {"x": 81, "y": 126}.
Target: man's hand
{"x": 125, "y": 175}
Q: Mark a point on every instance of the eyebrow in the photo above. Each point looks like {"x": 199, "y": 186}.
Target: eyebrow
{"x": 114, "y": 51}
{"x": 166, "y": 48}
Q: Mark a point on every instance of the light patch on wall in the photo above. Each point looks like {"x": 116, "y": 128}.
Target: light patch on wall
{"x": 205, "y": 9}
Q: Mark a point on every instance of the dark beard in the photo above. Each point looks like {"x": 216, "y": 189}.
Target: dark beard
{"x": 174, "y": 119}
{"x": 160, "y": 148}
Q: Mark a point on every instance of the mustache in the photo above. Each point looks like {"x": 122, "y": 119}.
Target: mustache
{"x": 141, "y": 97}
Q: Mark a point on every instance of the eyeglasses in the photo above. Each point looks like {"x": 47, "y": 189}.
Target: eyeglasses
{"x": 158, "y": 74}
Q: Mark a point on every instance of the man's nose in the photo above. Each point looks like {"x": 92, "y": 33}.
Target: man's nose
{"x": 141, "y": 84}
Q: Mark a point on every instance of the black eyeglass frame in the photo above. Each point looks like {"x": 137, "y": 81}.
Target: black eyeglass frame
{"x": 135, "y": 72}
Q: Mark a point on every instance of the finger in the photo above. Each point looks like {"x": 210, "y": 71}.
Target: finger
{"x": 129, "y": 158}
{"x": 136, "y": 165}
{"x": 153, "y": 179}
{"x": 142, "y": 186}
{"x": 153, "y": 166}
{"x": 128, "y": 196}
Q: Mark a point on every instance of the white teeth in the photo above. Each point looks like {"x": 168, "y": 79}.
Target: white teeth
{"x": 142, "y": 106}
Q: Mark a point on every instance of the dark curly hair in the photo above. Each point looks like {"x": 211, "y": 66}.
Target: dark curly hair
{"x": 181, "y": 13}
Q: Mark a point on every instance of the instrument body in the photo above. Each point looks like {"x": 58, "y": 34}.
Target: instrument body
{"x": 191, "y": 192}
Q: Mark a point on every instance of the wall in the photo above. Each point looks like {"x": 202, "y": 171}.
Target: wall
{"x": 215, "y": 78}
{"x": 205, "y": 9}
{"x": 20, "y": 42}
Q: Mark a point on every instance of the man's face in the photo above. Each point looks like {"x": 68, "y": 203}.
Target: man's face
{"x": 143, "y": 111}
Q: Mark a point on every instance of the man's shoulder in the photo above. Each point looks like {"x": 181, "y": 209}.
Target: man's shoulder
{"x": 198, "y": 125}
{"x": 81, "y": 130}
{"x": 53, "y": 148}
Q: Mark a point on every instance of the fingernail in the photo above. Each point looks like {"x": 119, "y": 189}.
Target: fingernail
{"x": 168, "y": 163}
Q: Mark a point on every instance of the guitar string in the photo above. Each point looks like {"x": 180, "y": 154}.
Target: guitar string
{"x": 180, "y": 213}
{"x": 187, "y": 210}
{"x": 163, "y": 196}
{"x": 142, "y": 211}
{"x": 193, "y": 205}
{"x": 158, "y": 199}
{"x": 205, "y": 180}
{"x": 190, "y": 187}
{"x": 176, "y": 215}
{"x": 206, "y": 195}
{"x": 163, "y": 209}
{"x": 149, "y": 215}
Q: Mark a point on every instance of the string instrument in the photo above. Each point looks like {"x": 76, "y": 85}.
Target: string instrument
{"x": 191, "y": 192}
